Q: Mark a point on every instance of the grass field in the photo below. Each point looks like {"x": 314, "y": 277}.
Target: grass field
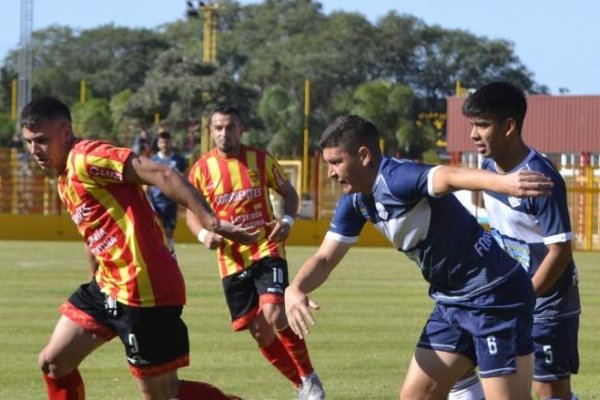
{"x": 372, "y": 312}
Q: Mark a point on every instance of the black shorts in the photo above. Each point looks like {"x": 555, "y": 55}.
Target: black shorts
{"x": 263, "y": 282}
{"x": 155, "y": 338}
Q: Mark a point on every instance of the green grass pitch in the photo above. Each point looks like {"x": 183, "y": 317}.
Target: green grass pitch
{"x": 372, "y": 311}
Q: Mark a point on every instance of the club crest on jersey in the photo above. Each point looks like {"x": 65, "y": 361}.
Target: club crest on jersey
{"x": 514, "y": 201}
{"x": 383, "y": 214}
{"x": 253, "y": 176}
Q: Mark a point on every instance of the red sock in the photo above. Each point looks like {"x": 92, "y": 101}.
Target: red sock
{"x": 190, "y": 390}
{"x": 297, "y": 350}
{"x": 278, "y": 356}
{"x": 68, "y": 387}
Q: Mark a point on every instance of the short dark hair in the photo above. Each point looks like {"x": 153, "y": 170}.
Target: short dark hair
{"x": 164, "y": 135}
{"x": 42, "y": 110}
{"x": 350, "y": 132}
{"x": 224, "y": 109}
{"x": 501, "y": 100}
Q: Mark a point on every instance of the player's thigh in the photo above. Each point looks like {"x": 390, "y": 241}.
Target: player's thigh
{"x": 271, "y": 279}
{"x": 155, "y": 339}
{"x": 242, "y": 299}
{"x": 559, "y": 389}
{"x": 516, "y": 386}
{"x": 68, "y": 346}
{"x": 162, "y": 386}
{"x": 556, "y": 350}
{"x": 432, "y": 373}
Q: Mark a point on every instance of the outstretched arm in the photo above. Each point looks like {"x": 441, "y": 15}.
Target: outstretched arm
{"x": 522, "y": 183}
{"x": 142, "y": 170}
{"x": 313, "y": 273}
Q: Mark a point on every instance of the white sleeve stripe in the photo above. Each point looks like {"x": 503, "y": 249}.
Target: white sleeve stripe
{"x": 341, "y": 238}
{"x": 560, "y": 238}
{"x": 430, "y": 181}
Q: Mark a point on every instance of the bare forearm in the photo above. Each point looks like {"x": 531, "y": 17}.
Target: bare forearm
{"x": 523, "y": 183}
{"x": 551, "y": 268}
{"x": 312, "y": 275}
{"x": 450, "y": 179}
{"x": 180, "y": 190}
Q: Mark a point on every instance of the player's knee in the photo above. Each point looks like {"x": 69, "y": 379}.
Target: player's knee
{"x": 49, "y": 365}
{"x": 264, "y": 336}
{"x": 411, "y": 391}
{"x": 275, "y": 316}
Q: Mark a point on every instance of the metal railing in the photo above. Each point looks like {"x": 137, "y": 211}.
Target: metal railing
{"x": 25, "y": 189}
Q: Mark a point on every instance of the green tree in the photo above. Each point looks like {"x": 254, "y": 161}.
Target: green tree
{"x": 182, "y": 89}
{"x": 110, "y": 58}
{"x": 390, "y": 107}
{"x": 92, "y": 119}
{"x": 282, "y": 118}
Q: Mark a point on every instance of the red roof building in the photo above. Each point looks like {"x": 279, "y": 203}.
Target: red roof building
{"x": 553, "y": 124}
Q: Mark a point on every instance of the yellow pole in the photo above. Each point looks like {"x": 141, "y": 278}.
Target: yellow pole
{"x": 14, "y": 180}
{"x": 13, "y": 99}
{"x": 156, "y": 118}
{"x": 82, "y": 91}
{"x": 209, "y": 45}
{"x": 589, "y": 203}
{"x": 209, "y": 55}
{"x": 306, "y": 136}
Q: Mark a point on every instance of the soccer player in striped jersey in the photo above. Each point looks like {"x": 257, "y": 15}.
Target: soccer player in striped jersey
{"x": 138, "y": 291}
{"x": 483, "y": 298}
{"x": 236, "y": 179}
{"x": 534, "y": 231}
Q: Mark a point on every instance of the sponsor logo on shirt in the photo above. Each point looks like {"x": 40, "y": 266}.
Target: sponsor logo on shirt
{"x": 238, "y": 195}
{"x": 105, "y": 173}
{"x": 81, "y": 213}
{"x": 483, "y": 244}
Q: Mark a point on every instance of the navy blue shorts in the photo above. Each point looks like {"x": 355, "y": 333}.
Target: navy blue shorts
{"x": 556, "y": 352}
{"x": 263, "y": 282}
{"x": 155, "y": 338}
{"x": 491, "y": 338}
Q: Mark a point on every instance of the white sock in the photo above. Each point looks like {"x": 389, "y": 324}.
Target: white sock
{"x": 467, "y": 389}
{"x": 308, "y": 377}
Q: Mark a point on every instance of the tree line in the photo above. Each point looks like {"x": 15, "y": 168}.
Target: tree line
{"x": 390, "y": 71}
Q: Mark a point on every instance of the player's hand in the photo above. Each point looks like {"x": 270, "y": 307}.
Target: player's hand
{"x": 525, "y": 183}
{"x": 212, "y": 240}
{"x": 280, "y": 232}
{"x": 237, "y": 233}
{"x": 298, "y": 311}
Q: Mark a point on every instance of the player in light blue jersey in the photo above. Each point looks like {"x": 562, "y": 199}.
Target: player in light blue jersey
{"x": 535, "y": 231}
{"x": 483, "y": 298}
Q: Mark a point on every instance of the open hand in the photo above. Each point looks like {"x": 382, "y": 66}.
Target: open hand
{"x": 280, "y": 231}
{"x": 525, "y": 183}
{"x": 298, "y": 310}
{"x": 237, "y": 233}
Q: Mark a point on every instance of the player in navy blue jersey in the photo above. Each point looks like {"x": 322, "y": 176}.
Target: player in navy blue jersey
{"x": 535, "y": 231}
{"x": 483, "y": 298}
{"x": 163, "y": 205}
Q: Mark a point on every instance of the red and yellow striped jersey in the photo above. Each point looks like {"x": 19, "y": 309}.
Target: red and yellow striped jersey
{"x": 237, "y": 189}
{"x": 119, "y": 226}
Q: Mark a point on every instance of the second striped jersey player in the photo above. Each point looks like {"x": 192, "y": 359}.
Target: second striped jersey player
{"x": 236, "y": 180}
